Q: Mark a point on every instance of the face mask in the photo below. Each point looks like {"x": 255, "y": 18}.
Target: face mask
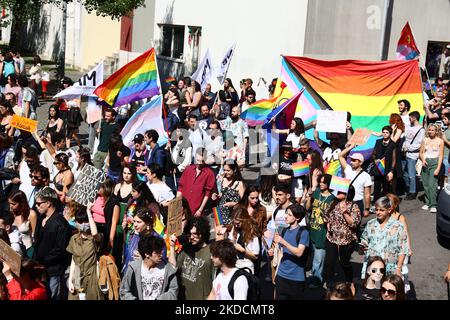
{"x": 84, "y": 227}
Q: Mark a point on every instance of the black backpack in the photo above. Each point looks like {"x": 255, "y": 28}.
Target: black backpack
{"x": 306, "y": 253}
{"x": 254, "y": 287}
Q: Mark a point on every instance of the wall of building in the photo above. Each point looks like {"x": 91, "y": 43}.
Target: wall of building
{"x": 74, "y": 25}
{"x": 143, "y": 27}
{"x": 344, "y": 29}
{"x": 101, "y": 38}
{"x": 263, "y": 30}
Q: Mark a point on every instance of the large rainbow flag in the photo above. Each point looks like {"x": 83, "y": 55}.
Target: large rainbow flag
{"x": 134, "y": 81}
{"x": 369, "y": 90}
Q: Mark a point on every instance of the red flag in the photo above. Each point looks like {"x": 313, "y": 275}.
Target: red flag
{"x": 407, "y": 47}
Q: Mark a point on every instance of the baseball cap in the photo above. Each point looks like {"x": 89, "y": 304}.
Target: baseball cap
{"x": 357, "y": 156}
{"x": 138, "y": 138}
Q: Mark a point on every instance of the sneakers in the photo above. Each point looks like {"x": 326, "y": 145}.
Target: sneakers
{"x": 433, "y": 210}
{"x": 425, "y": 207}
{"x": 410, "y": 196}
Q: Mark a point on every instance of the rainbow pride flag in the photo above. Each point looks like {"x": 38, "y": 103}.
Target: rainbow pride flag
{"x": 257, "y": 113}
{"x": 334, "y": 168}
{"x": 134, "y": 81}
{"x": 169, "y": 80}
{"x": 381, "y": 166}
{"x": 339, "y": 184}
{"x": 300, "y": 168}
{"x": 217, "y": 216}
{"x": 158, "y": 226}
{"x": 369, "y": 90}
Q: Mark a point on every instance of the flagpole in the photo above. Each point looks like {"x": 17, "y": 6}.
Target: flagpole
{"x": 165, "y": 116}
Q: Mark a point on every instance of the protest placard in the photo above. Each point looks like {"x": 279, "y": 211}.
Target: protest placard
{"x": 11, "y": 257}
{"x": 87, "y": 184}
{"x": 175, "y": 217}
{"x": 331, "y": 121}
{"x": 360, "y": 136}
{"x": 23, "y": 123}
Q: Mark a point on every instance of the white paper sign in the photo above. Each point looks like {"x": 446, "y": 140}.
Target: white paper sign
{"x": 331, "y": 121}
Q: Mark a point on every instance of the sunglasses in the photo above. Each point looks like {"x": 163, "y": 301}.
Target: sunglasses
{"x": 35, "y": 177}
{"x": 390, "y": 292}
{"x": 381, "y": 270}
{"x": 39, "y": 203}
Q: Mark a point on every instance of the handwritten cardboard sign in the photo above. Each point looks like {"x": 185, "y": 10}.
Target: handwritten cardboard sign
{"x": 23, "y": 123}
{"x": 11, "y": 257}
{"x": 87, "y": 184}
{"x": 360, "y": 136}
{"x": 331, "y": 121}
{"x": 175, "y": 217}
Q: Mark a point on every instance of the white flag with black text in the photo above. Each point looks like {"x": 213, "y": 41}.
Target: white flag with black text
{"x": 204, "y": 72}
{"x": 225, "y": 63}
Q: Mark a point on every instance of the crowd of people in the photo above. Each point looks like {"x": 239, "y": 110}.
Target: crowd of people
{"x": 272, "y": 232}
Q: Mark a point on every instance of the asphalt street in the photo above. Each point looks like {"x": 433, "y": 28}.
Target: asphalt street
{"x": 429, "y": 260}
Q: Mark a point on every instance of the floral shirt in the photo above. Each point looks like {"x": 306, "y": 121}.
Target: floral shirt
{"x": 239, "y": 130}
{"x": 339, "y": 231}
{"x": 388, "y": 243}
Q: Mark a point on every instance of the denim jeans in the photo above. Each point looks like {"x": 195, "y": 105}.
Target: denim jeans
{"x": 318, "y": 261}
{"x": 446, "y": 166}
{"x": 56, "y": 287}
{"x": 409, "y": 175}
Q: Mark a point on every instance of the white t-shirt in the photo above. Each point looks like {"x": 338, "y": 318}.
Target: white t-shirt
{"x": 292, "y": 137}
{"x": 405, "y": 119}
{"x": 152, "y": 281}
{"x": 220, "y": 285}
{"x": 362, "y": 181}
{"x": 161, "y": 192}
{"x": 252, "y": 246}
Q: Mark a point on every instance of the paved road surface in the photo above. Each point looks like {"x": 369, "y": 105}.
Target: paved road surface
{"x": 429, "y": 259}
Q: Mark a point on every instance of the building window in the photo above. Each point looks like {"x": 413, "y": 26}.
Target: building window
{"x": 172, "y": 41}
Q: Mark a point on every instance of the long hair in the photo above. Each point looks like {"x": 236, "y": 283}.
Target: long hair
{"x": 267, "y": 183}
{"x": 146, "y": 196}
{"x": 259, "y": 213}
{"x": 299, "y": 127}
{"x": 399, "y": 285}
{"x": 85, "y": 157}
{"x": 248, "y": 227}
{"x": 108, "y": 188}
{"x": 369, "y": 263}
{"x": 316, "y": 162}
{"x": 237, "y": 176}
{"x": 397, "y": 120}
{"x": 57, "y": 113}
{"x": 132, "y": 171}
{"x": 438, "y": 131}
{"x": 21, "y": 198}
{"x": 394, "y": 200}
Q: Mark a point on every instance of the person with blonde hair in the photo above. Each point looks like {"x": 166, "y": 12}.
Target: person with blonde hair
{"x": 431, "y": 154}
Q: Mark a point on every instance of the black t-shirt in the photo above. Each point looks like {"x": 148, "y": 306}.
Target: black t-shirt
{"x": 116, "y": 157}
{"x": 286, "y": 166}
{"x": 106, "y": 131}
{"x": 138, "y": 160}
{"x": 439, "y": 113}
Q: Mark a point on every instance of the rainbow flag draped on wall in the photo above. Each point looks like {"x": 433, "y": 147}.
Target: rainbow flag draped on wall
{"x": 134, "y": 81}
{"x": 369, "y": 90}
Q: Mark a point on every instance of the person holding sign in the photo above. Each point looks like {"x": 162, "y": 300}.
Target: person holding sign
{"x": 27, "y": 286}
{"x": 343, "y": 219}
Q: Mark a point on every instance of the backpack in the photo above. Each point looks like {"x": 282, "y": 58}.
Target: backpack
{"x": 254, "y": 287}
{"x": 306, "y": 253}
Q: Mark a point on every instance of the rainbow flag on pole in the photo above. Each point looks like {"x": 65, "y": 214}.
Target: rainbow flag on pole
{"x": 134, "y": 81}
{"x": 257, "y": 113}
{"x": 218, "y": 219}
{"x": 334, "y": 168}
{"x": 158, "y": 226}
{"x": 381, "y": 166}
{"x": 339, "y": 184}
{"x": 300, "y": 168}
{"x": 169, "y": 80}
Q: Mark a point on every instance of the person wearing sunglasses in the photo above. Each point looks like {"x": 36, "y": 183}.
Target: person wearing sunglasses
{"x": 392, "y": 288}
{"x": 375, "y": 275}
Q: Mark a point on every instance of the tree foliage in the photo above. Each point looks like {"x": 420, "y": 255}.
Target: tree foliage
{"x": 23, "y": 10}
